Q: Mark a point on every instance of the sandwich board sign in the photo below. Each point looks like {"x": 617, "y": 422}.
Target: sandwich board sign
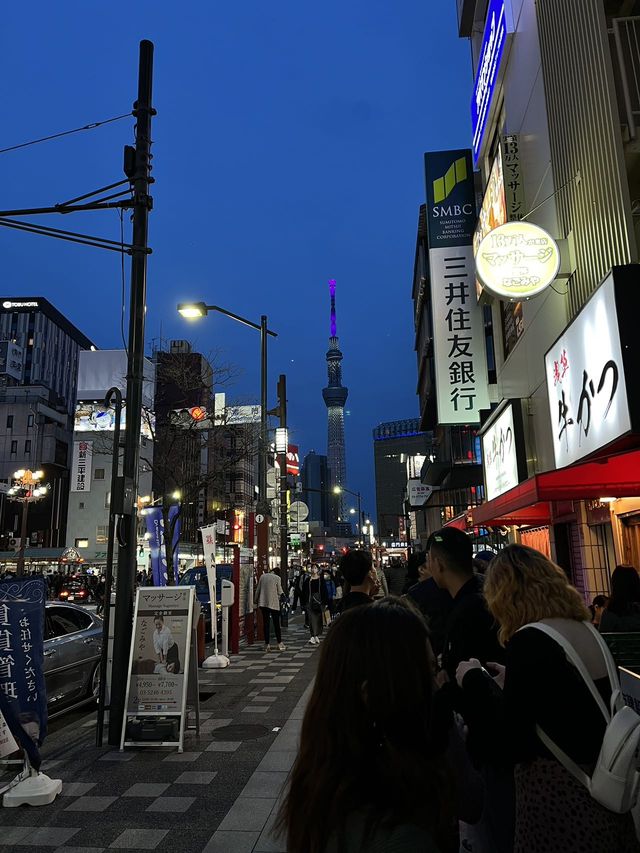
{"x": 161, "y": 664}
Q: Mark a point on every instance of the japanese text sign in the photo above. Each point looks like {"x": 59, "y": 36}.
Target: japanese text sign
{"x": 81, "y": 466}
{"x": 500, "y": 445}
{"x": 586, "y": 383}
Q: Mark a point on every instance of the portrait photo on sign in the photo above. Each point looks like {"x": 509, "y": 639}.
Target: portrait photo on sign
{"x": 160, "y": 641}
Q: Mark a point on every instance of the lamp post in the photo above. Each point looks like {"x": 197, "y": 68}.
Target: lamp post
{"x": 197, "y": 310}
{"x": 338, "y": 489}
{"x": 282, "y": 443}
{"x": 26, "y": 490}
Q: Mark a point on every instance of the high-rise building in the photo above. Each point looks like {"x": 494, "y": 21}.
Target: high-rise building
{"x": 316, "y": 488}
{"x": 394, "y": 443}
{"x": 39, "y": 352}
{"x": 335, "y": 397}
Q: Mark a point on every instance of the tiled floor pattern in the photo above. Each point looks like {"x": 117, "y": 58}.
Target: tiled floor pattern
{"x": 245, "y": 827}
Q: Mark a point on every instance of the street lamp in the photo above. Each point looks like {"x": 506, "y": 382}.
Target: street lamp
{"x": 197, "y": 310}
{"x": 339, "y": 489}
{"x": 26, "y": 490}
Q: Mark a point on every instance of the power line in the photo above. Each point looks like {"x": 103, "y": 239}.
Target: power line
{"x": 91, "y": 126}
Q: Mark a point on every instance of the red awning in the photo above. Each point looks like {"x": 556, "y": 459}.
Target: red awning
{"x": 460, "y": 522}
{"x": 528, "y": 503}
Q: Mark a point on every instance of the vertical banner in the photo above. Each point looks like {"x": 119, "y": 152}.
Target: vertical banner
{"x": 22, "y": 686}
{"x": 209, "y": 549}
{"x": 155, "y": 528}
{"x": 81, "y": 466}
{"x": 460, "y": 354}
{"x": 175, "y": 521}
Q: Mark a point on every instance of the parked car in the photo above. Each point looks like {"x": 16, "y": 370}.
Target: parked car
{"x": 75, "y": 589}
{"x": 197, "y": 576}
{"x": 72, "y": 647}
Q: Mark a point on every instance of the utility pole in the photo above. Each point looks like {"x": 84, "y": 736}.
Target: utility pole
{"x": 138, "y": 168}
{"x": 284, "y": 526}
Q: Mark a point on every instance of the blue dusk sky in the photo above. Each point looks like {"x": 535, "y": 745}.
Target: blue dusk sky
{"x": 288, "y": 150}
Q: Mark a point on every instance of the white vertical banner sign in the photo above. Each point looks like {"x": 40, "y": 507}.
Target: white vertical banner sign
{"x": 460, "y": 349}
{"x": 458, "y": 337}
{"x": 81, "y": 466}
{"x": 209, "y": 549}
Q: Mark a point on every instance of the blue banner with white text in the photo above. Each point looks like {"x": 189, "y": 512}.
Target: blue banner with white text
{"x": 175, "y": 522}
{"x": 22, "y": 685}
{"x": 155, "y": 529}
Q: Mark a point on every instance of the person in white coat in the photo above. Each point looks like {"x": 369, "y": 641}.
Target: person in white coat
{"x": 267, "y": 598}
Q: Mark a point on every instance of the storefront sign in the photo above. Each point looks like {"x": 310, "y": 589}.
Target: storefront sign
{"x": 585, "y": 373}
{"x": 494, "y": 40}
{"x": 459, "y": 341}
{"x": 502, "y": 452}
{"x": 159, "y": 652}
{"x": 22, "y": 603}
{"x": 10, "y": 305}
{"x": 418, "y": 493}
{"x": 293, "y": 460}
{"x": 493, "y": 211}
{"x": 81, "y": 466}
{"x": 513, "y": 179}
{"x": 517, "y": 260}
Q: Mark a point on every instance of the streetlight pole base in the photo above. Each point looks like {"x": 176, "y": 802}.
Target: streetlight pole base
{"x": 216, "y": 661}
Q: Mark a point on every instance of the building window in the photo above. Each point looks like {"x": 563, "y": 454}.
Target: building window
{"x": 102, "y": 534}
{"x": 98, "y": 474}
{"x": 82, "y": 543}
{"x": 14, "y": 447}
{"x": 81, "y": 505}
{"x": 9, "y": 421}
{"x": 27, "y": 447}
{"x": 29, "y": 421}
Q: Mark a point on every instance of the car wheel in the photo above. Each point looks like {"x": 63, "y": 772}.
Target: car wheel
{"x": 94, "y": 682}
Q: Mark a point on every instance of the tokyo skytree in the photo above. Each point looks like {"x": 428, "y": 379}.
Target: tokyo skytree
{"x": 335, "y": 396}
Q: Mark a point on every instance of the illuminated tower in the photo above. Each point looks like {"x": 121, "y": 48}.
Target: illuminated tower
{"x": 335, "y": 396}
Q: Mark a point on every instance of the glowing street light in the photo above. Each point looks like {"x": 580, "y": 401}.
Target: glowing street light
{"x": 26, "y": 489}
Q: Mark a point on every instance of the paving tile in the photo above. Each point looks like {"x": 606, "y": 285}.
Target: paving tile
{"x": 276, "y": 759}
{"x": 184, "y": 757}
{"x": 286, "y": 741}
{"x": 223, "y": 746}
{"x": 44, "y": 836}
{"x": 231, "y": 842}
{"x": 258, "y": 697}
{"x": 256, "y": 709}
{"x": 91, "y": 804}
{"x": 146, "y": 789}
{"x": 171, "y": 804}
{"x": 265, "y": 784}
{"x": 139, "y": 839}
{"x": 13, "y": 834}
{"x": 116, "y": 755}
{"x": 65, "y": 849}
{"x": 76, "y": 789}
{"x": 248, "y": 814}
{"x": 274, "y": 688}
{"x": 218, "y": 724}
{"x": 195, "y": 777}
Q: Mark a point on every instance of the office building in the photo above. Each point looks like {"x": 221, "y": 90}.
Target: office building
{"x": 316, "y": 488}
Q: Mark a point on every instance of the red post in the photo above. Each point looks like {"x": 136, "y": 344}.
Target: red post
{"x": 235, "y": 609}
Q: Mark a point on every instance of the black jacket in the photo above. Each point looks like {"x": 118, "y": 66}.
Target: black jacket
{"x": 436, "y": 605}
{"x": 309, "y": 585}
{"x": 471, "y": 631}
{"x": 354, "y": 599}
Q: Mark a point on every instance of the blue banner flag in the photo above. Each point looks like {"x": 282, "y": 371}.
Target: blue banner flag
{"x": 155, "y": 528}
{"x": 22, "y": 686}
{"x": 174, "y": 513}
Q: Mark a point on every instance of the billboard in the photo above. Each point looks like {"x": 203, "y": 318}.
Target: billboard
{"x": 95, "y": 417}
{"x": 11, "y": 360}
{"x": 293, "y": 460}
{"x": 81, "y": 466}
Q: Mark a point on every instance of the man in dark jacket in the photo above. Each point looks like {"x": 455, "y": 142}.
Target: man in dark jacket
{"x": 360, "y": 579}
{"x": 470, "y": 630}
{"x": 434, "y": 603}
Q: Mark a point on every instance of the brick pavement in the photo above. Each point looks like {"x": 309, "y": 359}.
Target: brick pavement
{"x": 218, "y": 796}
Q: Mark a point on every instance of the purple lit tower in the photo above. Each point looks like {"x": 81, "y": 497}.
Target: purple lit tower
{"x": 335, "y": 396}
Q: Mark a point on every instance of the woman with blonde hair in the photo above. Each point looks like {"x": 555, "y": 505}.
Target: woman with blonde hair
{"x": 542, "y": 690}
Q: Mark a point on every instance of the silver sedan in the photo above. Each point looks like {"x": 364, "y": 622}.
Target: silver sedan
{"x": 72, "y": 646}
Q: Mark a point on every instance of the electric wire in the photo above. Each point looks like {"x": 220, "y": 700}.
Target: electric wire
{"x": 90, "y": 126}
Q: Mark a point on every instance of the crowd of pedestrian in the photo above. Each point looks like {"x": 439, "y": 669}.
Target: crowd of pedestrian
{"x": 461, "y": 708}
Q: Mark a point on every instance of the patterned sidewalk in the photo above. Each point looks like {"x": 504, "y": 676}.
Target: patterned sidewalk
{"x": 218, "y": 795}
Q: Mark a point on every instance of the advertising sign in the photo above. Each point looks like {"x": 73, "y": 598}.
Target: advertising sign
{"x": 459, "y": 341}
{"x": 11, "y": 360}
{"x": 586, "y": 381}
{"x": 517, "y": 260}
{"x": 494, "y": 40}
{"x": 160, "y": 650}
{"x": 502, "y": 452}
{"x": 155, "y": 529}
{"x": 418, "y": 493}
{"x": 81, "y": 466}
{"x": 293, "y": 460}
{"x": 22, "y": 685}
{"x": 209, "y": 551}
{"x": 175, "y": 520}
{"x": 493, "y": 211}
{"x": 94, "y": 417}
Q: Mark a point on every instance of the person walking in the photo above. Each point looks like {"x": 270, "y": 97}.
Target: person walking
{"x": 543, "y": 692}
{"x": 267, "y": 598}
{"x": 371, "y": 772}
{"x": 623, "y": 611}
{"x": 314, "y": 599}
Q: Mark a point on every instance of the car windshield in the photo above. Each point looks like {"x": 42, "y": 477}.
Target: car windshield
{"x": 197, "y": 578}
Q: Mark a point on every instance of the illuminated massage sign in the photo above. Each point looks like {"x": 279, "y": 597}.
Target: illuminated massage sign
{"x": 517, "y": 261}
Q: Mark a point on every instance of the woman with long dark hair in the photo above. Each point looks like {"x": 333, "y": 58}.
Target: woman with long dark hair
{"x": 370, "y": 774}
{"x": 623, "y": 610}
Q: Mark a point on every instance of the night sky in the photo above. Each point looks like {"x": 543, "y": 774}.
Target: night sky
{"x": 288, "y": 150}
